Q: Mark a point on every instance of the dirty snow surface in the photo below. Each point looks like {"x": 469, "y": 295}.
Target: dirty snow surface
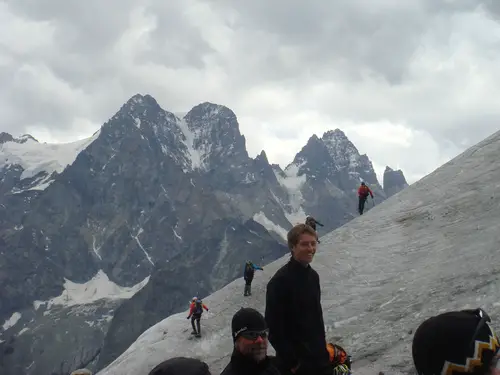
{"x": 432, "y": 247}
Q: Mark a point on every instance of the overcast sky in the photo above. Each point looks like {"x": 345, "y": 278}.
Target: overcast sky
{"x": 412, "y": 83}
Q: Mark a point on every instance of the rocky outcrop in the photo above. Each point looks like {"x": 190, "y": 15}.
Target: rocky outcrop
{"x": 394, "y": 181}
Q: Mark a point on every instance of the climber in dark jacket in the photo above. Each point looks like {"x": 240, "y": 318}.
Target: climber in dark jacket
{"x": 248, "y": 276}
{"x": 312, "y": 223}
{"x": 293, "y": 310}
{"x": 249, "y": 357}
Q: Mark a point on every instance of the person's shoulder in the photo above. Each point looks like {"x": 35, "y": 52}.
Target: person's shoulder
{"x": 280, "y": 278}
{"x": 228, "y": 370}
{"x": 281, "y": 273}
{"x": 314, "y": 273}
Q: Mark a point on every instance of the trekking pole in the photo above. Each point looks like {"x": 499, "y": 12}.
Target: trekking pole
{"x": 373, "y": 202}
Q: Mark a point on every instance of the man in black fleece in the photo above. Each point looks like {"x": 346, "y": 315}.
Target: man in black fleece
{"x": 293, "y": 310}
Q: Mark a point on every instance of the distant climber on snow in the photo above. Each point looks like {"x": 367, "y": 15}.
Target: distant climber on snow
{"x": 195, "y": 310}
{"x": 248, "y": 276}
{"x": 311, "y": 221}
{"x": 363, "y": 193}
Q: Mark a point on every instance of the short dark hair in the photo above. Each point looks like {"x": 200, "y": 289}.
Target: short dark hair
{"x": 181, "y": 365}
{"x": 298, "y": 230}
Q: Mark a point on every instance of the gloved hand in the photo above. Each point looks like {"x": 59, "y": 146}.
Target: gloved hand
{"x": 188, "y": 317}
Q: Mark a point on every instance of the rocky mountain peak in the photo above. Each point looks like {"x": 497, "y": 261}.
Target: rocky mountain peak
{"x": 335, "y": 134}
{"x": 6, "y": 137}
{"x": 214, "y": 136}
{"x": 341, "y": 149}
{"x": 208, "y": 110}
{"x": 137, "y": 110}
{"x": 313, "y": 147}
{"x": 25, "y": 138}
{"x": 394, "y": 181}
{"x": 262, "y": 157}
{"x": 313, "y": 160}
{"x": 142, "y": 101}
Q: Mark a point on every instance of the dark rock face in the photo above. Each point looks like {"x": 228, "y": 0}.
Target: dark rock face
{"x": 394, "y": 181}
{"x": 176, "y": 204}
{"x": 57, "y": 341}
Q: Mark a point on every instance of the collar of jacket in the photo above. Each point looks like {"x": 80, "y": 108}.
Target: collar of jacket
{"x": 296, "y": 264}
{"x": 247, "y": 365}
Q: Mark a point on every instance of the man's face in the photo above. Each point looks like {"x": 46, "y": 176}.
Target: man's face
{"x": 253, "y": 347}
{"x": 305, "y": 249}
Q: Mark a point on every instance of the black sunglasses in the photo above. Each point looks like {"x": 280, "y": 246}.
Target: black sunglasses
{"x": 254, "y": 335}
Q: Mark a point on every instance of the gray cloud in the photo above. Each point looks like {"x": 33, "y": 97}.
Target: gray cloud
{"x": 286, "y": 67}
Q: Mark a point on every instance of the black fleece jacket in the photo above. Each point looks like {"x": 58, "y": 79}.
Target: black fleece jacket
{"x": 295, "y": 318}
{"x": 241, "y": 365}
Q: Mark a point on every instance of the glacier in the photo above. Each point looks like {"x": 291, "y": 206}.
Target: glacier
{"x": 432, "y": 247}
{"x": 46, "y": 158}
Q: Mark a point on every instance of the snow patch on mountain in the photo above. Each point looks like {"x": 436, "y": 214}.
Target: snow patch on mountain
{"x": 36, "y": 158}
{"x": 99, "y": 287}
{"x": 293, "y": 182}
{"x": 262, "y": 219}
{"x": 11, "y": 321}
{"x": 195, "y": 156}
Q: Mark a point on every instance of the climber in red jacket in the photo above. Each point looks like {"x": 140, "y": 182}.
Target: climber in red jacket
{"x": 195, "y": 310}
{"x": 363, "y": 193}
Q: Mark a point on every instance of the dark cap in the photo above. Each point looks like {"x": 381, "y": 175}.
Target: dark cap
{"x": 460, "y": 341}
{"x": 181, "y": 366}
{"x": 247, "y": 319}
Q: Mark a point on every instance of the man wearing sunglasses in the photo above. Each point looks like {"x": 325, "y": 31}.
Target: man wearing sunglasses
{"x": 249, "y": 355}
{"x": 456, "y": 343}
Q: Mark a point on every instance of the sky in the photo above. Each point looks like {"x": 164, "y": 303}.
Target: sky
{"x": 412, "y": 83}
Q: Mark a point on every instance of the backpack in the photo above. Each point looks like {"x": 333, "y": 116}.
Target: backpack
{"x": 363, "y": 189}
{"x": 310, "y": 221}
{"x": 339, "y": 358}
{"x": 198, "y": 307}
{"x": 248, "y": 269}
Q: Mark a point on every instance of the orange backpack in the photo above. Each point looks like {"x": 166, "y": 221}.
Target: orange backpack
{"x": 338, "y": 356}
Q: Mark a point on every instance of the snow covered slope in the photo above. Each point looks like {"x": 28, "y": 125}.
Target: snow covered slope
{"x": 41, "y": 159}
{"x": 432, "y": 247}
